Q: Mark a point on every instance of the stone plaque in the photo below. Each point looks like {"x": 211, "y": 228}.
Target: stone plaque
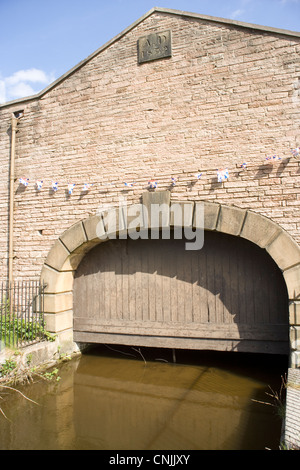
{"x": 155, "y": 46}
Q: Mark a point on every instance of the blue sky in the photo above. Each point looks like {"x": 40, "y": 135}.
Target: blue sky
{"x": 40, "y": 40}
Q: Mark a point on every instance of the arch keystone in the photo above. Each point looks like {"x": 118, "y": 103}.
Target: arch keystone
{"x": 156, "y": 207}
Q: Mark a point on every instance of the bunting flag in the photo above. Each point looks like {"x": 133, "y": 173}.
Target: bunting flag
{"x": 152, "y": 184}
{"x": 39, "y": 185}
{"x": 129, "y": 185}
{"x": 86, "y": 187}
{"x": 54, "y": 186}
{"x": 244, "y": 166}
{"x": 296, "y": 152}
{"x": 71, "y": 188}
{"x": 223, "y": 175}
{"x": 173, "y": 181}
{"x": 198, "y": 175}
{"x": 273, "y": 159}
{"x": 24, "y": 181}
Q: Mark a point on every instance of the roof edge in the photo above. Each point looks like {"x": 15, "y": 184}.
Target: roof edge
{"x": 215, "y": 19}
{"x": 60, "y": 79}
{"x": 212, "y": 19}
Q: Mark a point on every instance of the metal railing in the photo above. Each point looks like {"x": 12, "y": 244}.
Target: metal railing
{"x": 21, "y": 313}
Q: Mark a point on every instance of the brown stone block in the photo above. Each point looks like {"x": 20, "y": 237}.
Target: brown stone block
{"x": 230, "y": 220}
{"x": 74, "y": 237}
{"x": 284, "y": 251}
{"x": 181, "y": 214}
{"x": 259, "y": 229}
{"x": 54, "y": 303}
{"x": 210, "y": 214}
{"x": 94, "y": 228}
{"x": 57, "y": 256}
{"x": 294, "y": 313}
{"x": 292, "y": 279}
{"x": 56, "y": 282}
{"x": 59, "y": 321}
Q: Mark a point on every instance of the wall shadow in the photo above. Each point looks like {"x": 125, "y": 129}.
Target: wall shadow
{"x": 233, "y": 274}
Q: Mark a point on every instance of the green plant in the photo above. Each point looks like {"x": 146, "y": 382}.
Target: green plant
{"x": 51, "y": 375}
{"x": 14, "y": 330}
{"x": 8, "y": 366}
{"x": 29, "y": 359}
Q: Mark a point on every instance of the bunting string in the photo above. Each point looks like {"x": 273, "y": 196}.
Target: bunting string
{"x": 222, "y": 175}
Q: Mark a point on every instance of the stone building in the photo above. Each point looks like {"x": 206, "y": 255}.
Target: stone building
{"x": 206, "y": 109}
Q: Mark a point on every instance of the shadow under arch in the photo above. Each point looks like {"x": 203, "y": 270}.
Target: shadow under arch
{"x": 230, "y": 295}
{"x": 68, "y": 251}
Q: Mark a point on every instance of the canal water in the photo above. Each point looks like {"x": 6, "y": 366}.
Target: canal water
{"x": 147, "y": 399}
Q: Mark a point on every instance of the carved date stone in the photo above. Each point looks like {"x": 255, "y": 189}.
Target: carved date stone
{"x": 154, "y": 46}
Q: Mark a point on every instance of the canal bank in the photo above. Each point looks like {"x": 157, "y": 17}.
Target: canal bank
{"x": 291, "y": 428}
{"x": 39, "y": 356}
{"x": 187, "y": 403}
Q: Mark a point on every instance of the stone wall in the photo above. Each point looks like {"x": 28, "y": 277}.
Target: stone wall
{"x": 229, "y": 94}
{"x": 292, "y": 418}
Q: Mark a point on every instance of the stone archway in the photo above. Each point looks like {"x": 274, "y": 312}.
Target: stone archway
{"x": 68, "y": 251}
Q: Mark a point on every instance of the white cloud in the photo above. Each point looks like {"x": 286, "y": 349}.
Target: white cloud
{"x": 236, "y": 13}
{"x": 23, "y": 83}
{"x": 21, "y": 89}
{"x": 30, "y": 75}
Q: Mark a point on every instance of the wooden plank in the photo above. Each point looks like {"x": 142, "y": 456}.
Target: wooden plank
{"x": 208, "y": 330}
{"x": 137, "y": 254}
{"x": 145, "y": 290}
{"x": 158, "y": 259}
{"x": 166, "y": 282}
{"x": 196, "y": 291}
{"x": 264, "y": 347}
{"x": 173, "y": 285}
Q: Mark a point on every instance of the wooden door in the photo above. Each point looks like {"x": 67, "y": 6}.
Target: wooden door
{"x": 229, "y": 295}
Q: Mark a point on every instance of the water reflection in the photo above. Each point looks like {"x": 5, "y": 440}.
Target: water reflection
{"x": 109, "y": 400}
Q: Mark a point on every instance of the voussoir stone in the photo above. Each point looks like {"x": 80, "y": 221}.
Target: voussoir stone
{"x": 284, "y": 250}
{"x": 74, "y": 237}
{"x": 259, "y": 229}
{"x": 230, "y": 220}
